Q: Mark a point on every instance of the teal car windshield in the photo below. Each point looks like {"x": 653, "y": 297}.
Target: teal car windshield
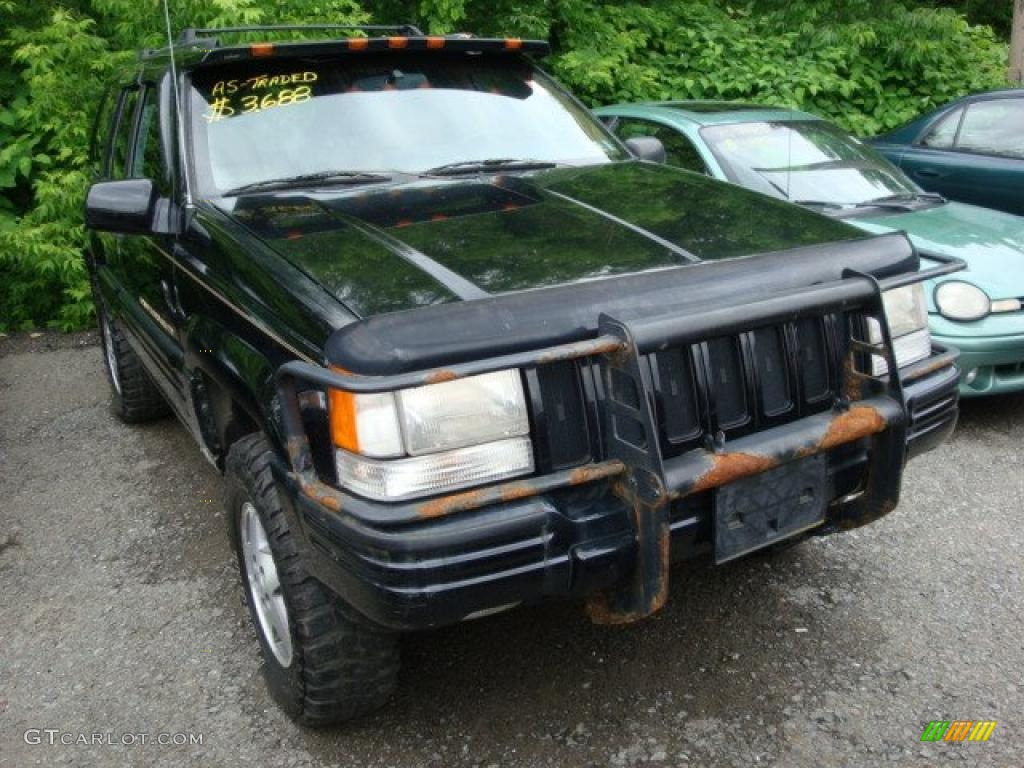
{"x": 255, "y": 122}
{"x": 804, "y": 160}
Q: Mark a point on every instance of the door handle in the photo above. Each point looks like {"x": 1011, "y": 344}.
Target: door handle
{"x": 928, "y": 173}
{"x": 171, "y": 300}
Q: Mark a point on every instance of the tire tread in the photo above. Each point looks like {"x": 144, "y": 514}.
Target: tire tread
{"x": 139, "y": 399}
{"x": 348, "y": 667}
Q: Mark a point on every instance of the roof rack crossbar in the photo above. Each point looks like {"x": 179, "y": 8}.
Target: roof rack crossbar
{"x": 193, "y": 34}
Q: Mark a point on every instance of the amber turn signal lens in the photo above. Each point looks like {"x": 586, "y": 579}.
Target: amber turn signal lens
{"x": 341, "y": 409}
{"x": 262, "y": 49}
{"x": 365, "y": 424}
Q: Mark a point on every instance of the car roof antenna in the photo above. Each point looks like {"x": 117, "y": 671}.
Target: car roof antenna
{"x": 177, "y": 102}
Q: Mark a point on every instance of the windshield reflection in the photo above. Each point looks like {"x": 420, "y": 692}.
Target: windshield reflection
{"x": 386, "y": 114}
{"x": 805, "y": 160}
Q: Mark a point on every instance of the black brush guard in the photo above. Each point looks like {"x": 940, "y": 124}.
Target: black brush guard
{"x": 869, "y": 408}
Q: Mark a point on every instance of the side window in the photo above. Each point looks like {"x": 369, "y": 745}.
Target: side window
{"x": 100, "y": 139}
{"x": 120, "y": 150}
{"x": 147, "y": 156}
{"x": 679, "y": 150}
{"x": 943, "y": 133}
{"x": 994, "y": 128}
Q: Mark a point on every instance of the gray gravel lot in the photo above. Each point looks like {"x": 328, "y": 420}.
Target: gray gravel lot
{"x": 121, "y": 613}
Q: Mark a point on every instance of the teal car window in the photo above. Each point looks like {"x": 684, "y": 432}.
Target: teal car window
{"x": 679, "y": 150}
{"x": 804, "y": 160}
{"x": 943, "y": 133}
{"x": 259, "y": 121}
{"x": 994, "y": 128}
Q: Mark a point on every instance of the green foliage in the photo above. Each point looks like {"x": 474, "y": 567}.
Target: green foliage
{"x": 54, "y": 66}
{"x": 870, "y": 66}
{"x": 42, "y": 171}
{"x": 994, "y": 14}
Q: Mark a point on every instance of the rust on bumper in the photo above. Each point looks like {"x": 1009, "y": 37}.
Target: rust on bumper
{"x": 519, "y": 489}
{"x": 859, "y": 422}
{"x": 646, "y": 590}
{"x": 605, "y": 607}
{"x": 727, "y": 467}
{"x": 706, "y": 470}
{"x": 313, "y": 488}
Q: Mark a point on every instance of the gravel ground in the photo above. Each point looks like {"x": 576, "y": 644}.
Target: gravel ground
{"x": 121, "y": 613}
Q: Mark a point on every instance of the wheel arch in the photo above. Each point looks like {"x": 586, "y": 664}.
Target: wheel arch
{"x": 231, "y": 389}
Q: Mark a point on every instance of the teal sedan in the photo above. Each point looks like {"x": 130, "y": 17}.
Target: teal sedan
{"x": 800, "y": 157}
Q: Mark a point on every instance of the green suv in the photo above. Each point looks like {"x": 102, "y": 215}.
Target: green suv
{"x": 458, "y": 349}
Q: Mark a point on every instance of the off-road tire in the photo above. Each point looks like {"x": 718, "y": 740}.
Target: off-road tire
{"x": 134, "y": 397}
{"x": 341, "y": 665}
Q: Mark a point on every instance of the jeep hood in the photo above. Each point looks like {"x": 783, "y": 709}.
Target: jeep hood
{"x": 398, "y": 246}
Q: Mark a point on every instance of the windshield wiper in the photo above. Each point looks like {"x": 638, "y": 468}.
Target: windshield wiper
{"x": 882, "y": 203}
{"x": 320, "y": 177}
{"x": 890, "y": 203}
{"x": 928, "y": 197}
{"x": 493, "y": 164}
{"x": 817, "y": 203}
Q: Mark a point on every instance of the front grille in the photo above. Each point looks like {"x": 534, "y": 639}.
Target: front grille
{"x": 563, "y": 434}
{"x": 745, "y": 383}
{"x": 735, "y": 385}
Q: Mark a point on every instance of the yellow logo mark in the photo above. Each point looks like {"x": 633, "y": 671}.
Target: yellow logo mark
{"x": 982, "y": 730}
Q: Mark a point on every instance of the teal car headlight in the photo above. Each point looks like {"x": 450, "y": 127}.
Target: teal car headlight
{"x": 957, "y": 300}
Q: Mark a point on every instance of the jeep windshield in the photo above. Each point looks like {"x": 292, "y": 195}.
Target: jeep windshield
{"x": 310, "y": 121}
{"x": 809, "y": 162}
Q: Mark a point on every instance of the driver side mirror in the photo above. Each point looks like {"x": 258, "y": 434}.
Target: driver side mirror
{"x": 647, "y": 148}
{"x": 124, "y": 207}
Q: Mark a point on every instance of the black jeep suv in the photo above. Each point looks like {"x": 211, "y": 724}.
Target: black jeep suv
{"x": 457, "y": 349}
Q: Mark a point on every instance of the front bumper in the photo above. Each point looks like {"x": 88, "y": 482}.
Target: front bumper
{"x": 572, "y": 541}
{"x": 931, "y": 393}
{"x": 609, "y": 529}
{"x": 989, "y": 365}
{"x": 443, "y": 570}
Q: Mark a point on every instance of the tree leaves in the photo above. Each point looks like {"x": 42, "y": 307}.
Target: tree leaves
{"x": 870, "y": 66}
{"x": 54, "y": 66}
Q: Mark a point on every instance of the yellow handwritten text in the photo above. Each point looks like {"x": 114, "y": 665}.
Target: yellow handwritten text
{"x": 283, "y": 98}
{"x": 261, "y": 82}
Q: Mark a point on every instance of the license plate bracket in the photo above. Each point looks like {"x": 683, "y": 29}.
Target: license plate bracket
{"x": 766, "y": 508}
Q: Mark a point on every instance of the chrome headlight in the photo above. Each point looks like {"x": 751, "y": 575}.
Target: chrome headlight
{"x": 432, "y": 439}
{"x": 957, "y": 300}
{"x": 907, "y": 316}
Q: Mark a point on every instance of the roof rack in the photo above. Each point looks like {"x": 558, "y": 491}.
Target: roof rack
{"x": 401, "y": 37}
{"x": 193, "y": 35}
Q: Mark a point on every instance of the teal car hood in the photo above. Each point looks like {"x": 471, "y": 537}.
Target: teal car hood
{"x": 991, "y": 242}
